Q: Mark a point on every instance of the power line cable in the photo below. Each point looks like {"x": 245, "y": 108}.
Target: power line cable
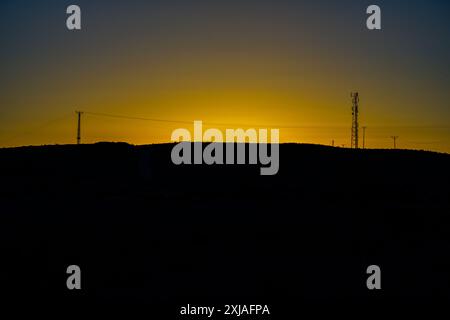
{"x": 33, "y": 130}
{"x": 261, "y": 125}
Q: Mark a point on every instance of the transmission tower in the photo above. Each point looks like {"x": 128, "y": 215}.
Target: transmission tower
{"x": 395, "y": 141}
{"x": 355, "y": 126}
{"x": 79, "y": 113}
{"x": 364, "y": 137}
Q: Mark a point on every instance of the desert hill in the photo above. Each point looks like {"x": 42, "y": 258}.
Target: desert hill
{"x": 146, "y": 231}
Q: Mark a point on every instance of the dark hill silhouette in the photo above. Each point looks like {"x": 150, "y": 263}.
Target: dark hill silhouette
{"x": 145, "y": 231}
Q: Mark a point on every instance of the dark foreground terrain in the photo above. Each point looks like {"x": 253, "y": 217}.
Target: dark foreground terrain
{"x": 147, "y": 232}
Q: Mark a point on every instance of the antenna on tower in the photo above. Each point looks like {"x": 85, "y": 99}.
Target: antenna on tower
{"x": 79, "y": 113}
{"x": 355, "y": 125}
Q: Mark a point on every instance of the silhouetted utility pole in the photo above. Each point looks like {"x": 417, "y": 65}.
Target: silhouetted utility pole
{"x": 79, "y": 113}
{"x": 355, "y": 126}
{"x": 332, "y": 143}
{"x": 395, "y": 139}
{"x": 364, "y": 137}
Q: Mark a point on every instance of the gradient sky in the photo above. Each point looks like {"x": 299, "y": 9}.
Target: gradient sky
{"x": 290, "y": 63}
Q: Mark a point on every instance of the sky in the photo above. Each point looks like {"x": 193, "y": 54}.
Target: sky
{"x": 274, "y": 64}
